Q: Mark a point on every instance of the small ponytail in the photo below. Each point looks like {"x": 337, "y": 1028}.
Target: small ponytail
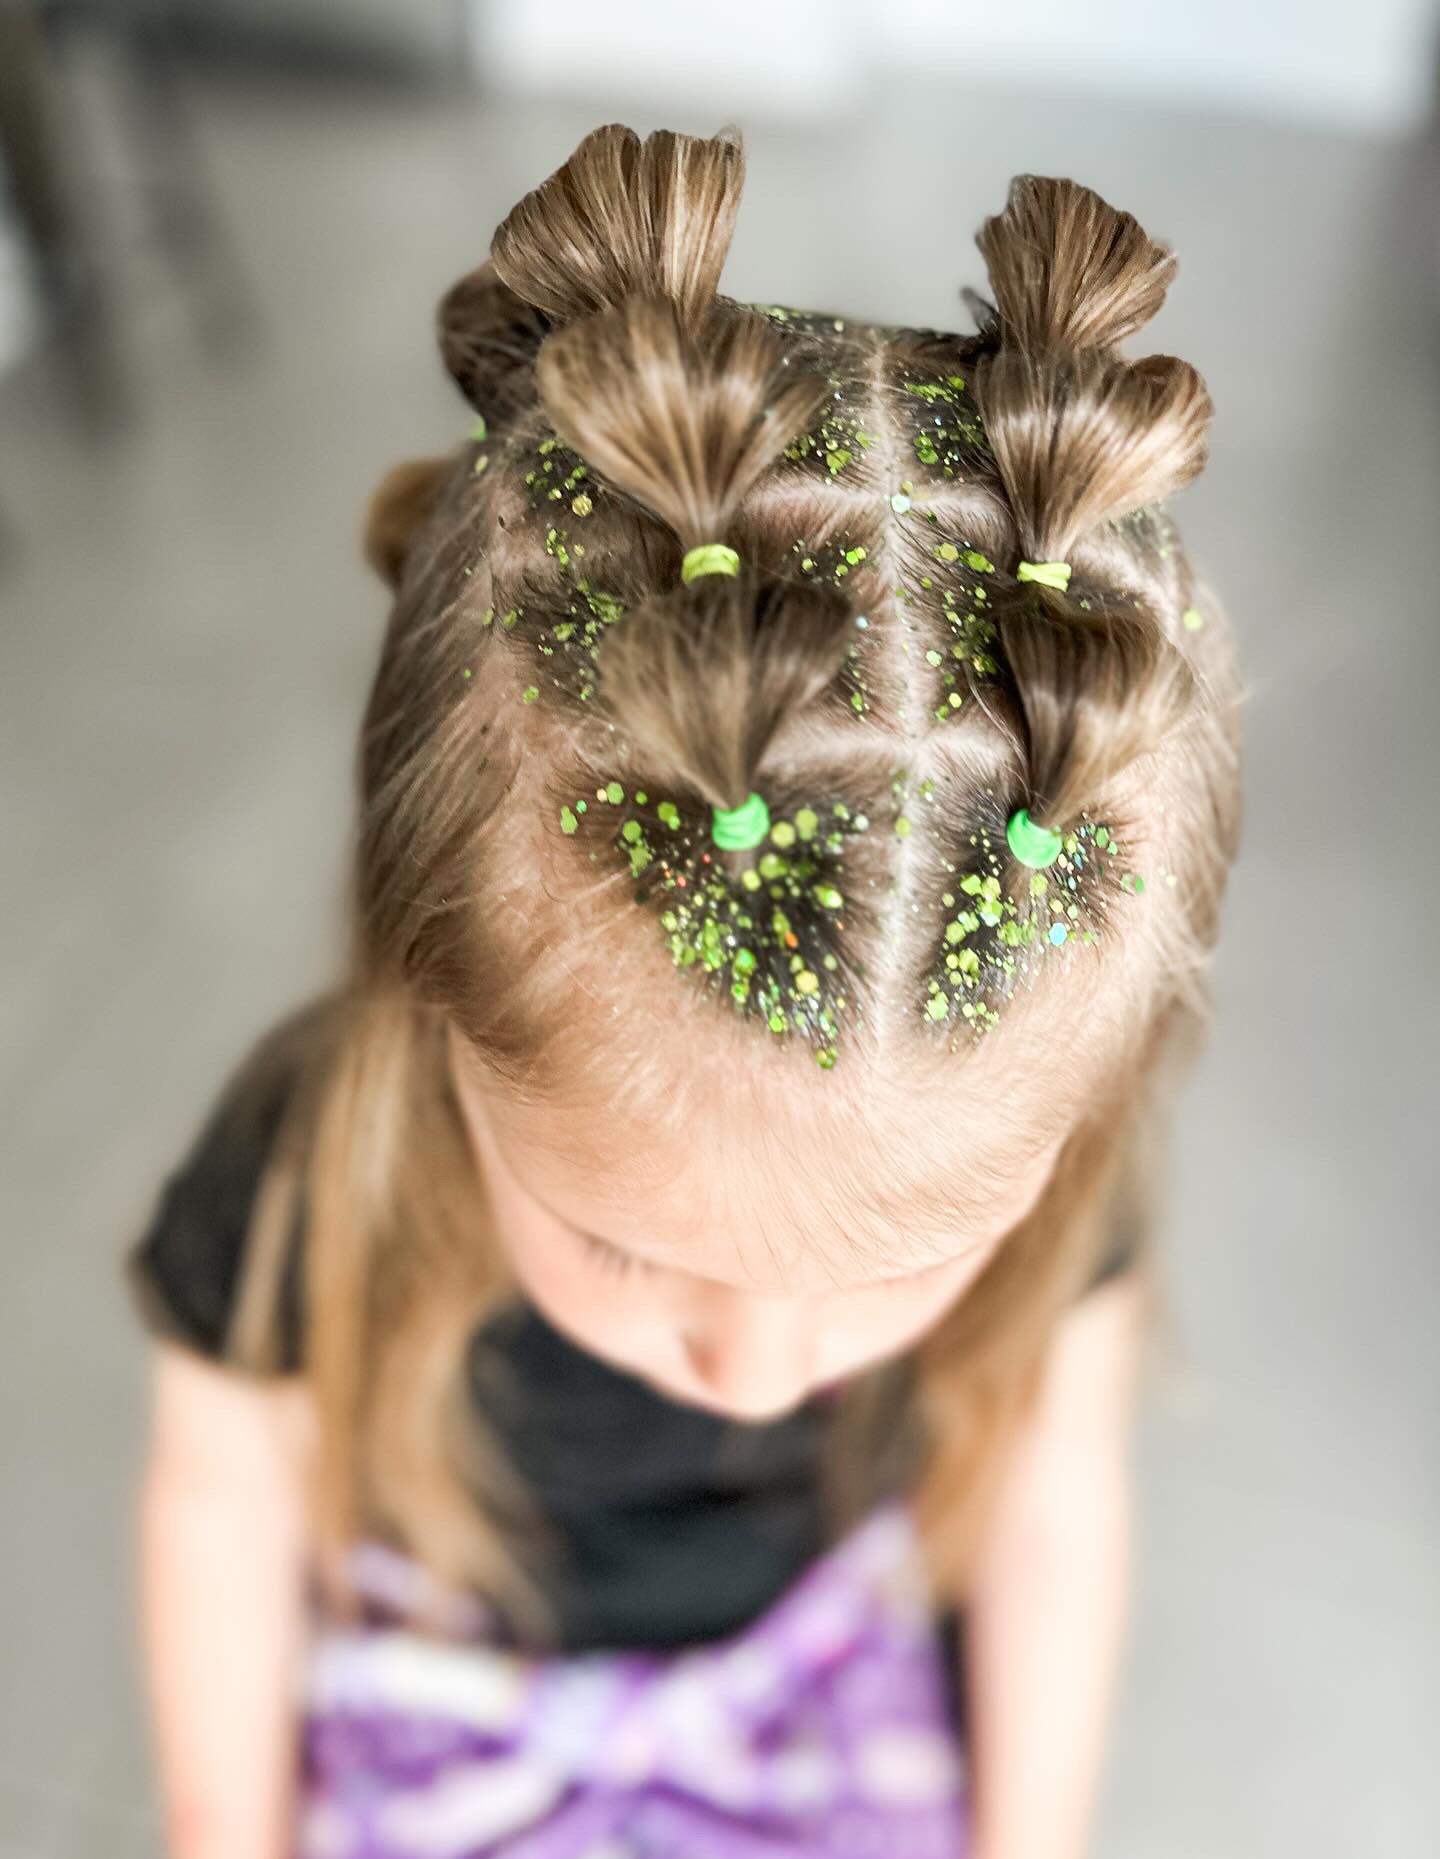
{"x": 1068, "y": 270}
{"x": 622, "y": 218}
{"x": 702, "y": 673}
{"x": 1082, "y": 438}
{"x": 681, "y": 403}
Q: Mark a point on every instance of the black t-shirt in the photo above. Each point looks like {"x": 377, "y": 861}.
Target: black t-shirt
{"x": 677, "y": 1526}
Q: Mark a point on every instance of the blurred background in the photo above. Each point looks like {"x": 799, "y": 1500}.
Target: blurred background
{"x": 223, "y": 229}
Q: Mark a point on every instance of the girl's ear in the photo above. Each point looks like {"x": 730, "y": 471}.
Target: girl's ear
{"x": 397, "y": 511}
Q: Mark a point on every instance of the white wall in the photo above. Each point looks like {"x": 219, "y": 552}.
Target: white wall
{"x": 1370, "y": 67}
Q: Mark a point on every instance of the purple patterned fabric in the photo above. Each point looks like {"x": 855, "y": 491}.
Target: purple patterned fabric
{"x": 822, "y": 1730}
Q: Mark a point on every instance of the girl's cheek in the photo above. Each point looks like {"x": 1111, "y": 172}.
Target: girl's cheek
{"x": 886, "y": 1323}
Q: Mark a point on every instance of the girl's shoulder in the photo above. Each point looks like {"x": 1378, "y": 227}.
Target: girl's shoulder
{"x": 187, "y": 1270}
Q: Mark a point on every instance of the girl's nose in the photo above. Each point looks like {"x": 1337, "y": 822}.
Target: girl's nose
{"x": 754, "y": 1355}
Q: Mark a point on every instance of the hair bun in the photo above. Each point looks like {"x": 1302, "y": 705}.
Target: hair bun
{"x": 489, "y": 339}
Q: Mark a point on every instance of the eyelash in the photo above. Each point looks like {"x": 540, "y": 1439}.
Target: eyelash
{"x": 612, "y": 1259}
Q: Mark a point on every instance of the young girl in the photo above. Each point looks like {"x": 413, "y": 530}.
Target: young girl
{"x": 642, "y": 1366}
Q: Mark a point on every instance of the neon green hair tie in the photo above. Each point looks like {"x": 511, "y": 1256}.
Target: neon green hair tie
{"x": 1048, "y": 574}
{"x": 1033, "y": 845}
{"x": 737, "y": 829}
{"x": 709, "y": 558}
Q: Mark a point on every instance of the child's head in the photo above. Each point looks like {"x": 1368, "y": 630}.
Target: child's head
{"x": 806, "y": 916}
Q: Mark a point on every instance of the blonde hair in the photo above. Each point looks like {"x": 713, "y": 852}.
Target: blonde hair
{"x": 653, "y": 415}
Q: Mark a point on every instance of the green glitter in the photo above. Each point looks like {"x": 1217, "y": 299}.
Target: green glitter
{"x": 568, "y": 822}
{"x": 774, "y": 961}
{"x": 581, "y": 505}
{"x": 782, "y": 834}
{"x": 978, "y": 973}
{"x": 950, "y": 426}
{"x": 806, "y": 821}
{"x": 604, "y": 606}
{"x": 669, "y": 814}
{"x": 902, "y": 827}
{"x": 529, "y": 694}
{"x": 479, "y": 430}
{"x": 833, "y": 439}
{"x": 614, "y": 793}
{"x": 947, "y": 552}
{"x": 982, "y": 564}
{"x": 1192, "y": 619}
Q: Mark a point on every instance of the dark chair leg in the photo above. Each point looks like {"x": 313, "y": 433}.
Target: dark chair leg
{"x": 185, "y": 214}
{"x": 65, "y": 257}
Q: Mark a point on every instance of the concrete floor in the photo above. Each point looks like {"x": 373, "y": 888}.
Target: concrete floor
{"x": 187, "y": 636}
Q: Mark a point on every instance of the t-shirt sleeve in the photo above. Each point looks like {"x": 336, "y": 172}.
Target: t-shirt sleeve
{"x": 185, "y": 1270}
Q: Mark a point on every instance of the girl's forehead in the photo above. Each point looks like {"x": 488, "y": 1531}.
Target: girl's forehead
{"x": 775, "y": 1202}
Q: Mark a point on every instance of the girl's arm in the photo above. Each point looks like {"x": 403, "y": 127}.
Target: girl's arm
{"x": 222, "y": 1544}
{"x": 1045, "y": 1616}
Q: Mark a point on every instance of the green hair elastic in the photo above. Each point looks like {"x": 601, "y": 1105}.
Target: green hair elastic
{"x": 709, "y": 558}
{"x": 1033, "y": 845}
{"x": 737, "y": 829}
{"x": 1048, "y": 574}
